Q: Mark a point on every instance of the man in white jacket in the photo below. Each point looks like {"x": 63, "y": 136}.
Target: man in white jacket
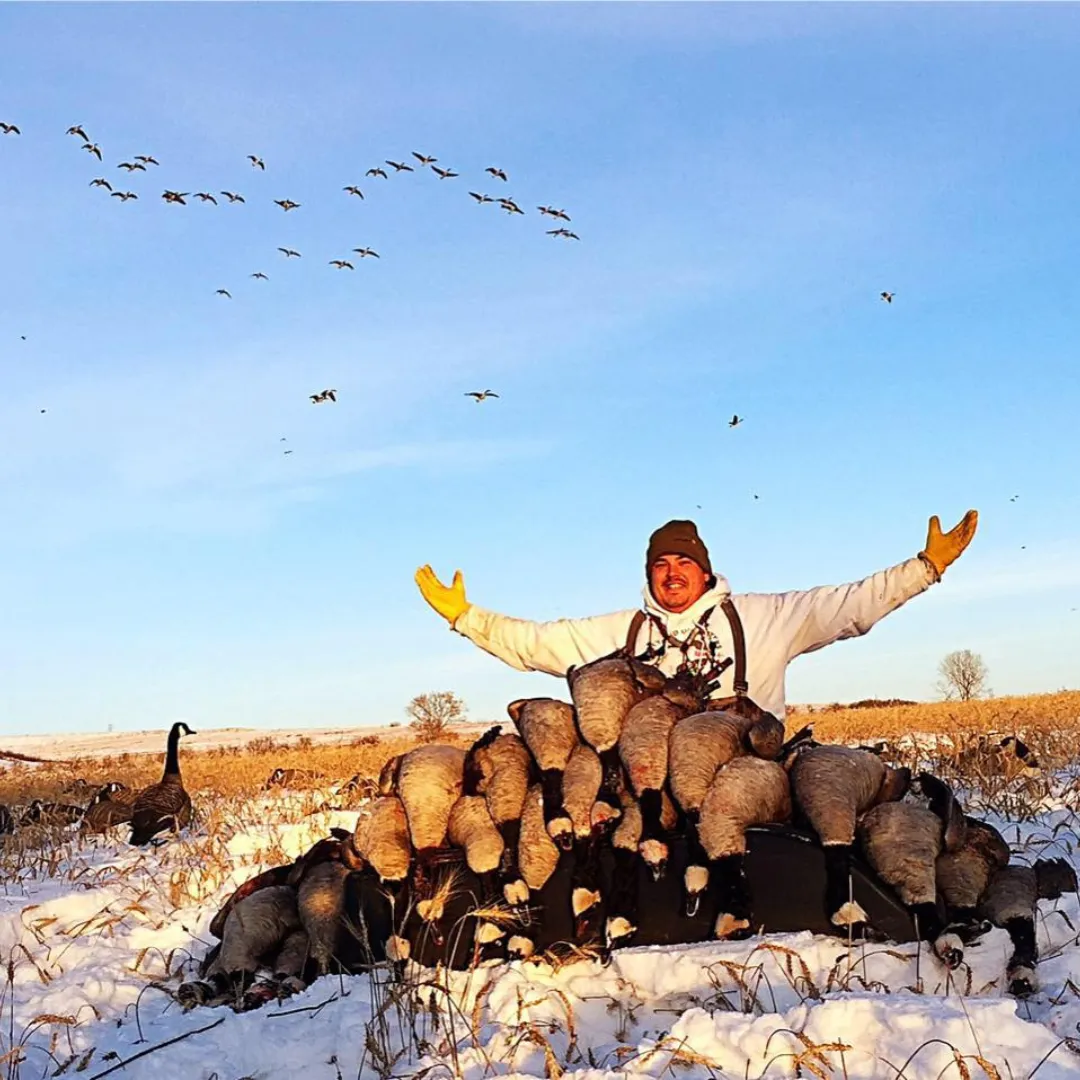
{"x": 735, "y": 646}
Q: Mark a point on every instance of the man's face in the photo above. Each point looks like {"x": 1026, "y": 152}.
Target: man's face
{"x": 677, "y": 582}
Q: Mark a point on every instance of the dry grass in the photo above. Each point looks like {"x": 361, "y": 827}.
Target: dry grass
{"x": 223, "y": 771}
{"x": 1033, "y": 713}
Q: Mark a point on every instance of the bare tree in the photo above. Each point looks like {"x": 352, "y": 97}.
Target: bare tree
{"x": 963, "y": 676}
{"x": 432, "y": 713}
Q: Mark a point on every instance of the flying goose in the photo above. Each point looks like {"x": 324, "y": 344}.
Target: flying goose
{"x": 497, "y": 173}
{"x": 481, "y": 394}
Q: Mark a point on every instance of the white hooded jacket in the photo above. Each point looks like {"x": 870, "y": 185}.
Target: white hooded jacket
{"x": 777, "y": 626}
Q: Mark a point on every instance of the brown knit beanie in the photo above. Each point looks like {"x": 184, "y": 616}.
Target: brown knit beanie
{"x": 677, "y": 538}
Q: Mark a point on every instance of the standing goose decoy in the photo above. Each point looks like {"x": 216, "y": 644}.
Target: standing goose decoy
{"x": 164, "y": 805}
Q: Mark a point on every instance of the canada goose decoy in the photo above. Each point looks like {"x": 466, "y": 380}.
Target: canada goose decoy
{"x": 77, "y": 130}
{"x": 342, "y": 264}
{"x": 259, "y": 274}
{"x": 164, "y": 805}
{"x": 400, "y": 166}
{"x": 563, "y": 232}
{"x": 735, "y": 420}
{"x": 92, "y": 148}
{"x": 132, "y": 166}
{"x": 205, "y": 196}
{"x": 8, "y": 129}
{"x": 176, "y": 197}
{"x": 233, "y": 197}
{"x": 40, "y": 812}
{"x": 286, "y": 204}
{"x": 887, "y": 297}
{"x": 367, "y": 252}
{"x": 146, "y": 159}
{"x": 443, "y": 174}
{"x": 109, "y": 807}
{"x": 256, "y": 162}
{"x": 481, "y": 198}
{"x": 497, "y": 173}
{"x": 376, "y": 172}
{"x": 124, "y": 195}
{"x": 352, "y": 189}
{"x": 289, "y": 253}
{"x": 423, "y": 159}
{"x": 100, "y": 182}
{"x": 223, "y": 292}
{"x": 481, "y": 394}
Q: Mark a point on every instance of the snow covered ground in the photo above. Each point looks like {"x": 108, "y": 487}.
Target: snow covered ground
{"x": 54, "y": 747}
{"x": 89, "y": 929}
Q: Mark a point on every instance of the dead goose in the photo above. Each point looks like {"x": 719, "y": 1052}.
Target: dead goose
{"x": 164, "y": 805}
{"x": 603, "y": 693}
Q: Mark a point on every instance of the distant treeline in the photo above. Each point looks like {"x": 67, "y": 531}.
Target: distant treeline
{"x": 866, "y": 703}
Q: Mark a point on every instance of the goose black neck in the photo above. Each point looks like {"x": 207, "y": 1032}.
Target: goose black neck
{"x": 172, "y": 757}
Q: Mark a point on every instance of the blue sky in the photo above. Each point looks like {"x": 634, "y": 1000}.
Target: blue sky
{"x": 745, "y": 181}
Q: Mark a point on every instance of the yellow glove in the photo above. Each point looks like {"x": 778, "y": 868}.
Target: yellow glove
{"x": 942, "y": 549}
{"x": 450, "y": 602}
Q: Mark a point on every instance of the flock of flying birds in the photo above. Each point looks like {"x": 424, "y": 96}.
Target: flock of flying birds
{"x": 142, "y": 163}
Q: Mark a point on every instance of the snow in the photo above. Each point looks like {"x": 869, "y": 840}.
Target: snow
{"x": 90, "y": 932}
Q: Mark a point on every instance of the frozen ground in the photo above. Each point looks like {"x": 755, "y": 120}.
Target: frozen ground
{"x": 88, "y": 930}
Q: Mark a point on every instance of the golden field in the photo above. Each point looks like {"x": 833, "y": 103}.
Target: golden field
{"x": 1043, "y": 713}
{"x": 1046, "y": 721}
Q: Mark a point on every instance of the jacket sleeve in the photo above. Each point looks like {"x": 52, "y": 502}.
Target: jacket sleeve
{"x": 552, "y": 647}
{"x": 813, "y": 618}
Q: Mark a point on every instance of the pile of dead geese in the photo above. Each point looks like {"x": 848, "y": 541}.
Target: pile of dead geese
{"x": 634, "y": 764}
{"x": 159, "y": 808}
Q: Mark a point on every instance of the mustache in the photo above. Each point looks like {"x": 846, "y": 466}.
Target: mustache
{"x": 670, "y": 581}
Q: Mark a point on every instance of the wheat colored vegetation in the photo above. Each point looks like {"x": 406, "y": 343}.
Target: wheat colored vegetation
{"x": 239, "y": 770}
{"x": 222, "y": 771}
{"x": 1043, "y": 713}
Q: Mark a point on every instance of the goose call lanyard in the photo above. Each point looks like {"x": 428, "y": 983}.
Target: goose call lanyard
{"x": 738, "y": 639}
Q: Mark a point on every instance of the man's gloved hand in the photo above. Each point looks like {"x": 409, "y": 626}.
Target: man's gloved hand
{"x": 942, "y": 549}
{"x": 450, "y": 601}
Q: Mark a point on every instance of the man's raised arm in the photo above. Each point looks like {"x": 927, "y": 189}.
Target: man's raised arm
{"x": 817, "y": 617}
{"x": 552, "y": 647}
